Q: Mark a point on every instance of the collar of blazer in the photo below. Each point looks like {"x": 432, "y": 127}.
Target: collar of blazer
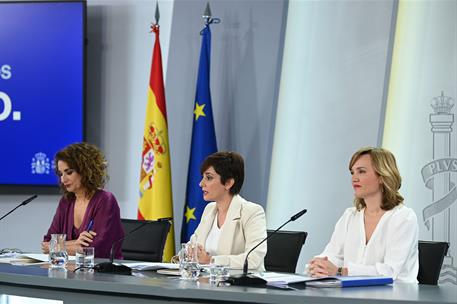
{"x": 232, "y": 220}
{"x": 234, "y": 211}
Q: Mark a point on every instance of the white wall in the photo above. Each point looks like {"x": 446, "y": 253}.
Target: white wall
{"x": 330, "y": 104}
{"x": 423, "y": 139}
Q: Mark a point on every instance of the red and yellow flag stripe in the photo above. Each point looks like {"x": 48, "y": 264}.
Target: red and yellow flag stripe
{"x": 155, "y": 179}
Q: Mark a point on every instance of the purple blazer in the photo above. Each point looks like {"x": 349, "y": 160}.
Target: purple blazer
{"x": 103, "y": 209}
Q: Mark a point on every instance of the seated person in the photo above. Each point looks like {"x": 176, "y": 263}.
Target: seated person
{"x": 379, "y": 236}
{"x": 87, "y": 214}
{"x": 230, "y": 225}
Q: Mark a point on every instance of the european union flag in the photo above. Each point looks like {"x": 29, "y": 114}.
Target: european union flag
{"x": 203, "y": 141}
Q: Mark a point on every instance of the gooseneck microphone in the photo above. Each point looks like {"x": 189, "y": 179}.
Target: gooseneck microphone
{"x": 245, "y": 279}
{"x": 110, "y": 267}
{"x": 21, "y": 204}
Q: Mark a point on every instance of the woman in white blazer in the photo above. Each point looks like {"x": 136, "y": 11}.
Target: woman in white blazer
{"x": 230, "y": 225}
{"x": 379, "y": 236}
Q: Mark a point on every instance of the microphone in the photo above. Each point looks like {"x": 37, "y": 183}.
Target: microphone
{"x": 21, "y": 204}
{"x": 110, "y": 267}
{"x": 245, "y": 279}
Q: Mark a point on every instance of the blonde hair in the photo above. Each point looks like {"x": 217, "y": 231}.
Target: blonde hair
{"x": 385, "y": 166}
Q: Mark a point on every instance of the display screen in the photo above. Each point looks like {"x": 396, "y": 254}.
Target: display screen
{"x": 42, "y": 76}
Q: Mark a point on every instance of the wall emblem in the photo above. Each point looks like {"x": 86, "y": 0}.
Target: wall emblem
{"x": 440, "y": 176}
{"x": 40, "y": 164}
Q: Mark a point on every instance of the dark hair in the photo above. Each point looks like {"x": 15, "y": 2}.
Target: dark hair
{"x": 88, "y": 161}
{"x": 228, "y": 165}
{"x": 385, "y": 166}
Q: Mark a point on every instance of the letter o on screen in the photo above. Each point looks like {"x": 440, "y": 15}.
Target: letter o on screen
{"x": 6, "y": 106}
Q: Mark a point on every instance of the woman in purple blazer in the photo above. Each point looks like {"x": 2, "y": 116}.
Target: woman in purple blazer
{"x": 86, "y": 213}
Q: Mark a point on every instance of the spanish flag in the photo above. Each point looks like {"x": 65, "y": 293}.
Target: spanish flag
{"x": 155, "y": 180}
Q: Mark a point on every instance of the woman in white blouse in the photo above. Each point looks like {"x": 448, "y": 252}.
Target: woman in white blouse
{"x": 379, "y": 236}
{"x": 230, "y": 225}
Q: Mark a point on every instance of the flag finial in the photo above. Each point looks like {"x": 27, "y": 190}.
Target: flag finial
{"x": 157, "y": 14}
{"x": 207, "y": 14}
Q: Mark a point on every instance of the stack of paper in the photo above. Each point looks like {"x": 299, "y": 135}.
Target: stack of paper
{"x": 276, "y": 278}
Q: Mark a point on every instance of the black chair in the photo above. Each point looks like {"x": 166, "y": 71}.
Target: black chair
{"x": 283, "y": 250}
{"x": 431, "y": 256}
{"x": 147, "y": 243}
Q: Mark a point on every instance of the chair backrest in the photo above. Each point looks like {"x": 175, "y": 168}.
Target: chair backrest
{"x": 147, "y": 243}
{"x": 283, "y": 250}
{"x": 431, "y": 256}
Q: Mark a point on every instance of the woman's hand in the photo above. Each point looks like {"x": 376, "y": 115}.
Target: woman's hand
{"x": 45, "y": 247}
{"x": 322, "y": 267}
{"x": 85, "y": 238}
{"x": 202, "y": 255}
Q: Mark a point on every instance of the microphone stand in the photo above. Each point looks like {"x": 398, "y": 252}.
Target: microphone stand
{"x": 110, "y": 267}
{"x": 21, "y": 204}
{"x": 246, "y": 279}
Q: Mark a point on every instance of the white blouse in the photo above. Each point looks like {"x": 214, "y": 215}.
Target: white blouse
{"x": 391, "y": 251}
{"x": 212, "y": 241}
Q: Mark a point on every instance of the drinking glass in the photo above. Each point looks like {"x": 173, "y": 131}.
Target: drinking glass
{"x": 188, "y": 262}
{"x": 58, "y": 256}
{"x": 85, "y": 258}
{"x": 217, "y": 272}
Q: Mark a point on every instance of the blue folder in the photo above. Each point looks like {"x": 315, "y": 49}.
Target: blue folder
{"x": 349, "y": 281}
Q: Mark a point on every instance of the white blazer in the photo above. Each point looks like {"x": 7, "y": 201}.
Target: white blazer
{"x": 244, "y": 228}
{"x": 391, "y": 251}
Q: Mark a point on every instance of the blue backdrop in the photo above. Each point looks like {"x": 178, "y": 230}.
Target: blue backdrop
{"x": 41, "y": 87}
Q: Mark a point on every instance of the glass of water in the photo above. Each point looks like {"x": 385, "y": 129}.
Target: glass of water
{"x": 188, "y": 262}
{"x": 58, "y": 256}
{"x": 84, "y": 258}
{"x": 218, "y": 272}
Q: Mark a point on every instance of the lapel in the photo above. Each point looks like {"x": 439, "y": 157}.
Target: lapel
{"x": 229, "y": 233}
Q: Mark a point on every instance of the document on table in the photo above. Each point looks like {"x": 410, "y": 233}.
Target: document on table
{"x": 142, "y": 266}
{"x": 24, "y": 259}
{"x": 350, "y": 281}
{"x": 277, "y": 278}
{"x": 281, "y": 279}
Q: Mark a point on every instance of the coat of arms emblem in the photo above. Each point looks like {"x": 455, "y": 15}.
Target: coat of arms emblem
{"x": 439, "y": 176}
{"x": 40, "y": 164}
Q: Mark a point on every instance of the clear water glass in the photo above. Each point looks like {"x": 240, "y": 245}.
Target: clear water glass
{"x": 188, "y": 262}
{"x": 84, "y": 258}
{"x": 225, "y": 272}
{"x": 217, "y": 272}
{"x": 58, "y": 256}
{"x": 191, "y": 271}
